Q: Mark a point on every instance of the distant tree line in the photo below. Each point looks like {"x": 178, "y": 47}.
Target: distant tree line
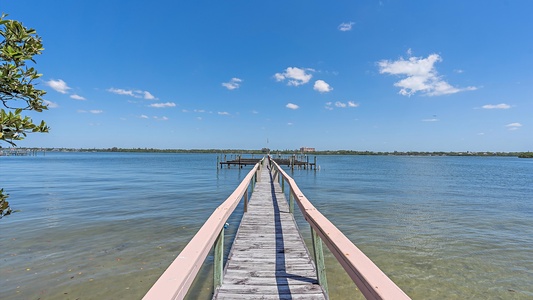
{"x": 526, "y": 155}
{"x": 290, "y": 152}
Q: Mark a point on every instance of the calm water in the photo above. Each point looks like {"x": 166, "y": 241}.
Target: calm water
{"x": 105, "y": 226}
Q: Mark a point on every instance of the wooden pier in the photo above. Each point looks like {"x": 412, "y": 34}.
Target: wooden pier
{"x": 268, "y": 259}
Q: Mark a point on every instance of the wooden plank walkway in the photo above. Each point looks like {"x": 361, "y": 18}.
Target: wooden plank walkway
{"x": 269, "y": 259}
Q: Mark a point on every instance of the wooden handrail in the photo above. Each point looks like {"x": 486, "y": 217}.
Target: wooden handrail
{"x": 372, "y": 282}
{"x": 178, "y": 277}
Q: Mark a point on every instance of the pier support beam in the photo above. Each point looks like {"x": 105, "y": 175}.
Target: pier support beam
{"x": 319, "y": 260}
{"x": 219, "y": 260}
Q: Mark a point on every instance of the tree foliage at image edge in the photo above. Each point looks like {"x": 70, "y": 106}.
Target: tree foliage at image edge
{"x": 17, "y": 91}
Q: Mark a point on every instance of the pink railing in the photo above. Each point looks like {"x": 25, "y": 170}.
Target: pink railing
{"x": 178, "y": 277}
{"x": 372, "y": 282}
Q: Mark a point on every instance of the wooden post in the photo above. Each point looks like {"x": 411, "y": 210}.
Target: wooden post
{"x": 291, "y": 201}
{"x": 246, "y": 200}
{"x": 218, "y": 161}
{"x": 293, "y": 161}
{"x": 282, "y": 184}
{"x": 253, "y": 182}
{"x": 319, "y": 260}
{"x": 315, "y": 163}
{"x": 219, "y": 260}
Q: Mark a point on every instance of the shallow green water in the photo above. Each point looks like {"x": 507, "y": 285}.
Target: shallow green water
{"x": 105, "y": 226}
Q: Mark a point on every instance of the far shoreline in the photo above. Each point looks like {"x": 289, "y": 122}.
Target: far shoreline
{"x": 282, "y": 152}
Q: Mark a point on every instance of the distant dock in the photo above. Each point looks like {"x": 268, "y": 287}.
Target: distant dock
{"x": 291, "y": 161}
{"x": 19, "y": 152}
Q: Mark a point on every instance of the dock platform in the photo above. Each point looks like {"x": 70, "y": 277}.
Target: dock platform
{"x": 269, "y": 259}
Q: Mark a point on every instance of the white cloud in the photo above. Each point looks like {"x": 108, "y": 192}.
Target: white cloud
{"x": 497, "y": 106}
{"x": 322, "y": 86}
{"x": 223, "y": 113}
{"x": 143, "y": 117}
{"x": 430, "y": 120}
{"x": 420, "y": 76}
{"x": 340, "y": 104}
{"x": 133, "y": 93}
{"x": 77, "y": 97}
{"x": 295, "y": 76}
{"x": 148, "y": 96}
{"x": 163, "y": 105}
{"x": 346, "y": 26}
{"x": 92, "y": 111}
{"x": 513, "y": 126}
{"x": 58, "y": 85}
{"x": 234, "y": 83}
{"x": 50, "y": 104}
{"x": 121, "y": 92}
{"x": 255, "y": 112}
{"x": 161, "y": 118}
{"x": 290, "y": 124}
{"x": 292, "y": 106}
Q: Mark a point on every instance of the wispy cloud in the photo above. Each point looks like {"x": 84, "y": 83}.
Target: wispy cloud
{"x": 58, "y": 85}
{"x": 346, "y": 26}
{"x": 322, "y": 87}
{"x": 292, "y": 106}
{"x": 430, "y": 120}
{"x": 163, "y": 105}
{"x": 143, "y": 116}
{"x": 420, "y": 76}
{"x": 50, "y": 104}
{"x": 339, "y": 104}
{"x": 77, "y": 97}
{"x": 161, "y": 118}
{"x": 133, "y": 93}
{"x": 497, "y": 106}
{"x": 234, "y": 83}
{"x": 92, "y": 111}
{"x": 295, "y": 76}
{"x": 121, "y": 92}
{"x": 223, "y": 113}
{"x": 513, "y": 126}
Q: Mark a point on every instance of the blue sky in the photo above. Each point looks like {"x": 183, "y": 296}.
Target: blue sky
{"x": 359, "y": 75}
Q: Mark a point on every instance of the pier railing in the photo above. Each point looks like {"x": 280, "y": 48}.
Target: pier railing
{"x": 179, "y": 276}
{"x": 370, "y": 280}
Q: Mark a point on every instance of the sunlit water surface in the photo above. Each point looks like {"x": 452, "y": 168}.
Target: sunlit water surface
{"x": 106, "y": 225}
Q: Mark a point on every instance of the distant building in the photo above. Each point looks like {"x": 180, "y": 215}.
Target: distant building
{"x": 307, "y": 149}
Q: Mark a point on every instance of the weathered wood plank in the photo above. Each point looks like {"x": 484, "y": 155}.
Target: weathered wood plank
{"x": 268, "y": 259}
{"x": 230, "y": 296}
